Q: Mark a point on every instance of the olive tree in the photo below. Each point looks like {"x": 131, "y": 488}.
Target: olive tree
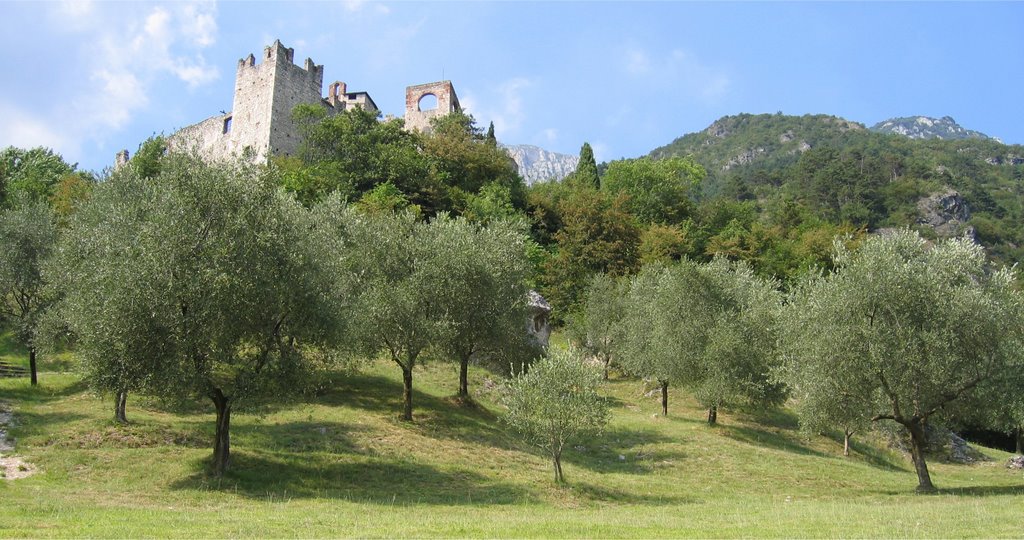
{"x": 401, "y": 272}
{"x": 908, "y": 332}
{"x": 27, "y": 237}
{"x": 204, "y": 280}
{"x": 599, "y": 327}
{"x": 707, "y": 327}
{"x": 483, "y": 301}
{"x": 554, "y": 402}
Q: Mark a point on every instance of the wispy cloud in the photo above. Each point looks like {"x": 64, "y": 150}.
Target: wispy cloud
{"x": 128, "y": 49}
{"x": 361, "y": 6}
{"x": 678, "y": 69}
{"x": 504, "y": 106}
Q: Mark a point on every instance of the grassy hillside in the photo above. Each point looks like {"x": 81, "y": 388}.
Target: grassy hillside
{"x": 343, "y": 465}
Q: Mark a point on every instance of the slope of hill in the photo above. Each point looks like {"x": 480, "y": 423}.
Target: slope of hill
{"x": 343, "y": 465}
{"x": 538, "y": 165}
{"x": 841, "y": 171}
{"x": 923, "y": 127}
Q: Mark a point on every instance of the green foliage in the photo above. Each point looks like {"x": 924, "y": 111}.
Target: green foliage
{"x": 585, "y": 175}
{"x": 482, "y": 299}
{"x": 28, "y": 234}
{"x": 352, "y": 152}
{"x": 462, "y": 160}
{"x": 905, "y": 332}
{"x": 658, "y": 190}
{"x": 555, "y": 402}
{"x": 205, "y": 280}
{"x": 386, "y": 199}
{"x": 29, "y": 176}
{"x": 599, "y": 327}
{"x": 597, "y": 236}
{"x": 147, "y": 160}
{"x": 710, "y": 328}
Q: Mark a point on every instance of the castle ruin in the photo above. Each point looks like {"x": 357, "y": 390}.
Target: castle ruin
{"x": 266, "y": 91}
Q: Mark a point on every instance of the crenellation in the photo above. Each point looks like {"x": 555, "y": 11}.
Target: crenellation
{"x": 266, "y": 93}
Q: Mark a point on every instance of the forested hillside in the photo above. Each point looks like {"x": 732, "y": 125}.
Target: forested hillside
{"x": 842, "y": 172}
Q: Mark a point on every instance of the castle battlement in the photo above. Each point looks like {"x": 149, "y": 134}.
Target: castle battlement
{"x": 266, "y": 92}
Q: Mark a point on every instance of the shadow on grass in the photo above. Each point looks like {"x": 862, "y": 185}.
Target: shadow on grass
{"x": 767, "y": 439}
{"x": 22, "y": 391}
{"x": 965, "y": 491}
{"x": 602, "y": 454}
{"x": 354, "y": 478}
{"x": 609, "y": 495}
{"x": 31, "y": 424}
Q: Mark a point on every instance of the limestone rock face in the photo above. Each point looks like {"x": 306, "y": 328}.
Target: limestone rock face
{"x": 923, "y": 127}
{"x": 946, "y": 213}
{"x": 538, "y": 165}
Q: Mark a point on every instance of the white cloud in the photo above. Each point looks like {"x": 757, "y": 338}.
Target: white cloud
{"x": 22, "y": 129}
{"x": 549, "y": 135}
{"x": 127, "y": 49}
{"x": 637, "y": 62}
{"x": 504, "y": 106}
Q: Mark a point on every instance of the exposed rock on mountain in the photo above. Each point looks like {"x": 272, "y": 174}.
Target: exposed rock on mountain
{"x": 538, "y": 165}
{"x": 946, "y": 213}
{"x": 923, "y": 127}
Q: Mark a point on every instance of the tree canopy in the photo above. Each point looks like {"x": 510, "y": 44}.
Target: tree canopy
{"x": 907, "y": 332}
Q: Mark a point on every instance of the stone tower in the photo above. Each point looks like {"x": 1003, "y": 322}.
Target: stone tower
{"x": 424, "y": 102}
{"x": 265, "y": 94}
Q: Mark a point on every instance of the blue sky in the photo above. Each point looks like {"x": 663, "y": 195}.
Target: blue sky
{"x": 90, "y": 78}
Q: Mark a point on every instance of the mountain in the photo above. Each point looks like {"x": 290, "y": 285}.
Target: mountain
{"x": 842, "y": 172}
{"x": 923, "y": 127}
{"x": 538, "y": 165}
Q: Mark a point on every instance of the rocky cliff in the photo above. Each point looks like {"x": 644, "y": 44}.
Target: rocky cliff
{"x": 538, "y": 165}
{"x": 923, "y": 127}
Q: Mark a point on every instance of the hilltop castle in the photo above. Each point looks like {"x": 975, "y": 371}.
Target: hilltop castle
{"x": 266, "y": 92}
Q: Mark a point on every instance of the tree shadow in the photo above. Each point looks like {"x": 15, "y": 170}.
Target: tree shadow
{"x": 767, "y": 439}
{"x": 31, "y": 424}
{"x": 42, "y": 392}
{"x": 964, "y": 491}
{"x": 622, "y": 450}
{"x": 356, "y": 478}
{"x": 609, "y": 495}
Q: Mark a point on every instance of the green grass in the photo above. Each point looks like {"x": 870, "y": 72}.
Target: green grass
{"x": 344, "y": 465}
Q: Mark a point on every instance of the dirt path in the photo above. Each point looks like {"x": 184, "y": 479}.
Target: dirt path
{"x": 11, "y": 467}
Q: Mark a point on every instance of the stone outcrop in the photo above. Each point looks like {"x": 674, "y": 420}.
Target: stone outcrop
{"x": 946, "y": 213}
{"x": 539, "y": 325}
{"x": 924, "y": 127}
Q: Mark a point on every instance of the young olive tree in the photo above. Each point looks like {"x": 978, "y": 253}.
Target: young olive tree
{"x": 555, "y": 402}
{"x": 204, "y": 280}
{"x": 907, "y": 332}
{"x": 599, "y": 328}
{"x": 28, "y": 234}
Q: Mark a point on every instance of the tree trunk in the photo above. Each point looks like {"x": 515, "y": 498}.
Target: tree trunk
{"x": 846, "y": 442}
{"x": 664, "y": 398}
{"x": 1020, "y": 440}
{"x": 464, "y": 377}
{"x": 120, "y": 400}
{"x": 917, "y": 446}
{"x": 607, "y": 363}
{"x": 407, "y": 393}
{"x": 32, "y": 365}
{"x": 558, "y": 468}
{"x": 713, "y": 415}
{"x": 222, "y": 440}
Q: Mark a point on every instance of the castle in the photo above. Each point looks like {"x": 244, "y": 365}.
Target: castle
{"x": 266, "y": 92}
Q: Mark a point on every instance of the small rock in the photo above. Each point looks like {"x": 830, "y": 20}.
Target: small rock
{"x": 622, "y": 457}
{"x": 1015, "y": 462}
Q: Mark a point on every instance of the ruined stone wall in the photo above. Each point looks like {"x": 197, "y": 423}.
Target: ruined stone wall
{"x": 417, "y": 119}
{"x": 207, "y": 138}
